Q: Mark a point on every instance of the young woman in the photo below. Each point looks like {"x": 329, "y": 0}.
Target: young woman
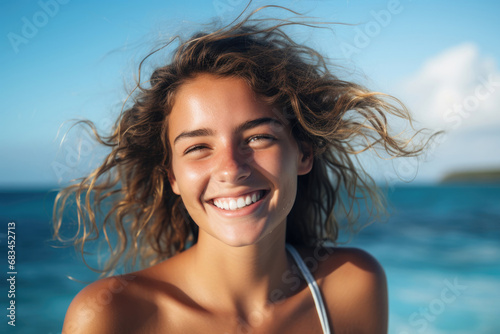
{"x": 226, "y": 176}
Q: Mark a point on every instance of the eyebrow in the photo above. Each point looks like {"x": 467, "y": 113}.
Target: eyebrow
{"x": 243, "y": 127}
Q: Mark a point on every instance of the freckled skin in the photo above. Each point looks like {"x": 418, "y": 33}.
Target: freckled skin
{"x": 225, "y": 283}
{"x": 228, "y": 163}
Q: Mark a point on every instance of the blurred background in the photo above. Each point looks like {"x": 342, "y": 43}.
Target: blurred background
{"x": 64, "y": 60}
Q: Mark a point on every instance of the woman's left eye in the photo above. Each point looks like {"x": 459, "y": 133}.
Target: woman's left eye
{"x": 261, "y": 139}
{"x": 196, "y": 148}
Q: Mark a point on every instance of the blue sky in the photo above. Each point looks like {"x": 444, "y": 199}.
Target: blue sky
{"x": 63, "y": 60}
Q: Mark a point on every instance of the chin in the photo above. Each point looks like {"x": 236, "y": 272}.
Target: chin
{"x": 241, "y": 239}
{"x": 245, "y": 237}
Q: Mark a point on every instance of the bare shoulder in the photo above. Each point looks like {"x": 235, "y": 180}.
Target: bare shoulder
{"x": 354, "y": 263}
{"x": 354, "y": 286}
{"x": 109, "y": 305}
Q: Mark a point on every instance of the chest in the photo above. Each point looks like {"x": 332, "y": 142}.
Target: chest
{"x": 297, "y": 314}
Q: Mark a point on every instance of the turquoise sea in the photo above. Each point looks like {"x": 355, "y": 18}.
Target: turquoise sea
{"x": 440, "y": 249}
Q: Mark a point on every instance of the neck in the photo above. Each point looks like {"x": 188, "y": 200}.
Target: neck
{"x": 243, "y": 277}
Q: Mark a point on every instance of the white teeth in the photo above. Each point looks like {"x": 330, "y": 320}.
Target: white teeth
{"x": 237, "y": 203}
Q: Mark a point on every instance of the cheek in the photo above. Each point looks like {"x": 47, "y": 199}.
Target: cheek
{"x": 190, "y": 180}
{"x": 282, "y": 166}
{"x": 288, "y": 175}
{"x": 288, "y": 188}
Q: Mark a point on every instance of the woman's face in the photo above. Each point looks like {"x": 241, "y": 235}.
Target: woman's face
{"x": 234, "y": 160}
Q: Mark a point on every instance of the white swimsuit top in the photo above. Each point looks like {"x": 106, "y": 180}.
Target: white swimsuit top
{"x": 318, "y": 300}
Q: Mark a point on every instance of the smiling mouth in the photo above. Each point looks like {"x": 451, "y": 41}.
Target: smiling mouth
{"x": 233, "y": 204}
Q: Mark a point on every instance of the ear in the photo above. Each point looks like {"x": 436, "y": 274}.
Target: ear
{"x": 306, "y": 158}
{"x": 173, "y": 182}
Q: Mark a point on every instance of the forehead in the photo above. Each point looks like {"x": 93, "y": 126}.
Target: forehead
{"x": 217, "y": 102}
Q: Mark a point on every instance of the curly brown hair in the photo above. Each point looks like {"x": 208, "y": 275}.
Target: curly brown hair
{"x": 337, "y": 118}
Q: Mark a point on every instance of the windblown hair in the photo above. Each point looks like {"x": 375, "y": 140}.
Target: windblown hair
{"x": 338, "y": 119}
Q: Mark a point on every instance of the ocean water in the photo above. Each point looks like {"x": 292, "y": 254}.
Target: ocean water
{"x": 440, "y": 249}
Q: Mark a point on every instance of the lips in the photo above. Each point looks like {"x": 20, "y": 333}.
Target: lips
{"x": 236, "y": 203}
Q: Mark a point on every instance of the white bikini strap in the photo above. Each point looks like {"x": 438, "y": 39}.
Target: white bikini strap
{"x": 313, "y": 287}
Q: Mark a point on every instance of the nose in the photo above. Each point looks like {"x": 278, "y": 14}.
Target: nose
{"x": 232, "y": 165}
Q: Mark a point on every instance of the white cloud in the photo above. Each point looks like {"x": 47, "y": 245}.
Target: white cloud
{"x": 458, "y": 91}
{"x": 454, "y": 83}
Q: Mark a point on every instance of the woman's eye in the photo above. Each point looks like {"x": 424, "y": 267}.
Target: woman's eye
{"x": 261, "y": 139}
{"x": 196, "y": 148}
